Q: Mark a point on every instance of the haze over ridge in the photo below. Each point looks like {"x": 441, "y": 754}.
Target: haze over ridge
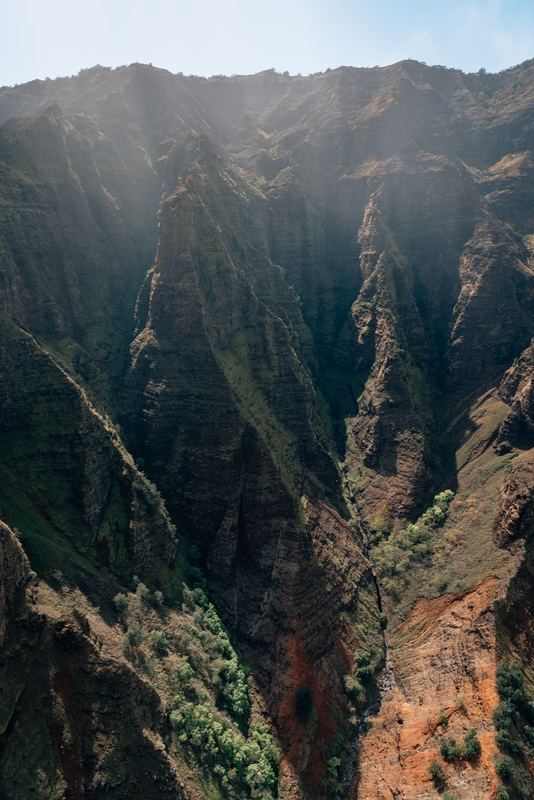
{"x": 238, "y": 37}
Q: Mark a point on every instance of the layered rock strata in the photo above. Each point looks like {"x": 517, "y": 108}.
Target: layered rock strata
{"x": 328, "y": 323}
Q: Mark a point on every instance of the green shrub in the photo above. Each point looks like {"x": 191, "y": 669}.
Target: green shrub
{"x": 509, "y": 680}
{"x": 471, "y": 747}
{"x": 505, "y": 715}
{"x": 159, "y": 642}
{"x": 436, "y": 515}
{"x": 135, "y": 635}
{"x": 412, "y": 543}
{"x": 157, "y": 598}
{"x": 504, "y": 742}
{"x": 522, "y": 783}
{"x": 333, "y": 766}
{"x": 364, "y": 674}
{"x": 234, "y": 687}
{"x": 353, "y": 687}
{"x": 449, "y": 749}
{"x": 511, "y": 718}
{"x": 447, "y": 796}
{"x": 197, "y": 578}
{"x": 502, "y": 794}
{"x": 504, "y": 768}
{"x": 442, "y": 717}
{"x": 437, "y": 773}
{"x": 194, "y": 597}
{"x": 142, "y": 591}
{"x": 243, "y": 763}
{"x": 304, "y": 703}
{"x": 186, "y": 672}
{"x": 121, "y": 603}
{"x": 193, "y": 553}
{"x": 362, "y": 658}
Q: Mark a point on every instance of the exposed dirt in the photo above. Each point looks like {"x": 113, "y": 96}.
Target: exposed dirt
{"x": 446, "y": 663}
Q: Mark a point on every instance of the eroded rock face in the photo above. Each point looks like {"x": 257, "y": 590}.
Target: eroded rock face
{"x": 515, "y": 517}
{"x": 95, "y": 722}
{"x": 63, "y": 460}
{"x": 14, "y": 575}
{"x": 321, "y": 585}
{"x": 516, "y": 391}
{"x": 231, "y": 425}
{"x": 340, "y": 274}
{"x": 445, "y": 668}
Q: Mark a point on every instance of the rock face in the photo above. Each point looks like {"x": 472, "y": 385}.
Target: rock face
{"x": 65, "y": 464}
{"x": 444, "y": 670}
{"x": 14, "y": 575}
{"x": 249, "y": 327}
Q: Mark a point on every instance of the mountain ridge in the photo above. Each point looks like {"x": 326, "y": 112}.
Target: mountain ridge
{"x": 300, "y": 309}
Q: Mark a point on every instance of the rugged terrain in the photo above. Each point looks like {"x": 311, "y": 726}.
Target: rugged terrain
{"x": 267, "y": 431}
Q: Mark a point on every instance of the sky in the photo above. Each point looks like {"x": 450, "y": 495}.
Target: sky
{"x": 209, "y": 37}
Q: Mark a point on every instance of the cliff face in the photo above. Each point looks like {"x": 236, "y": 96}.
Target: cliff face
{"x": 234, "y": 433}
{"x": 303, "y": 307}
{"x": 14, "y": 576}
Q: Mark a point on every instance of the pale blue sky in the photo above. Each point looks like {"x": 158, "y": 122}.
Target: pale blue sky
{"x": 40, "y": 38}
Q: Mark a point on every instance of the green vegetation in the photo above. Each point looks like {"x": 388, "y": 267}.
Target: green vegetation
{"x": 469, "y": 750}
{"x": 333, "y": 766}
{"x": 193, "y": 553}
{"x": 471, "y": 747}
{"x": 121, "y": 603}
{"x": 239, "y": 763}
{"x": 511, "y": 718}
{"x": 211, "y": 718}
{"x": 159, "y": 642}
{"x": 214, "y": 731}
{"x": 504, "y": 767}
{"x": 414, "y": 543}
{"x": 450, "y": 750}
{"x": 437, "y": 773}
{"x": 442, "y": 717}
{"x": 506, "y": 744}
{"x": 135, "y": 635}
{"x": 225, "y": 671}
{"x": 142, "y": 591}
{"x": 360, "y": 684}
{"x": 354, "y": 688}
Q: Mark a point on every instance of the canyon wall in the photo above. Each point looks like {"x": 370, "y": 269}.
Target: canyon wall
{"x": 250, "y": 327}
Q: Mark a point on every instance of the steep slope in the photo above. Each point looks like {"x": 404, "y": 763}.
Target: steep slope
{"x": 77, "y": 235}
{"x": 233, "y": 432}
{"x": 335, "y": 327}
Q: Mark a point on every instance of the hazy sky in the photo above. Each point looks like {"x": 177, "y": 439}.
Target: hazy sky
{"x": 40, "y": 38}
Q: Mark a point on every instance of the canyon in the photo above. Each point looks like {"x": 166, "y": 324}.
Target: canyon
{"x": 267, "y": 434}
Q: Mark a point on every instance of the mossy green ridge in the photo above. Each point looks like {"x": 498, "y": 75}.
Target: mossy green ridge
{"x": 66, "y": 474}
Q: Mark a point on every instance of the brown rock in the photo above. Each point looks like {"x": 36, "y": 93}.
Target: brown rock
{"x": 14, "y": 575}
